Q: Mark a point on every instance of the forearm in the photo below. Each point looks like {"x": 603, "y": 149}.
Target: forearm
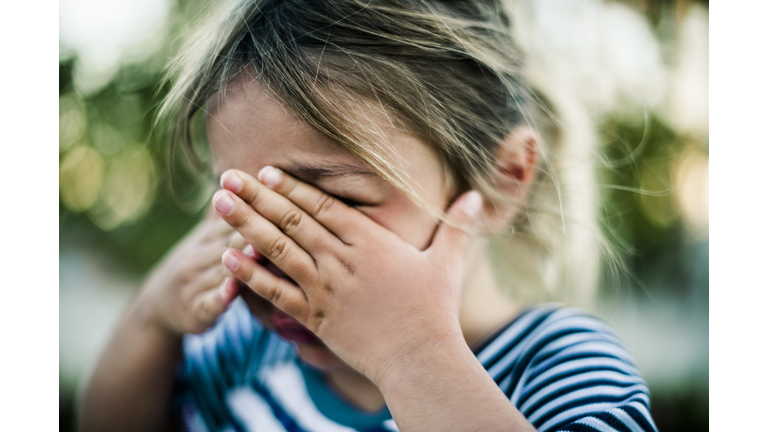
{"x": 444, "y": 387}
{"x": 131, "y": 387}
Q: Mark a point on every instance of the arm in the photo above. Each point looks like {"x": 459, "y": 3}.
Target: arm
{"x": 130, "y": 389}
{"x": 132, "y": 384}
{"x": 445, "y": 387}
{"x": 387, "y": 309}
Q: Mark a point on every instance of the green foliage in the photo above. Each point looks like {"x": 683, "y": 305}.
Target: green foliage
{"x": 641, "y": 209}
{"x": 118, "y": 117}
{"x": 136, "y": 219}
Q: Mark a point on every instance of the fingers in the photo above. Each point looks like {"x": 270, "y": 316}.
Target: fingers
{"x": 335, "y": 216}
{"x": 451, "y": 238}
{"x": 209, "y": 254}
{"x": 208, "y": 305}
{"x": 265, "y": 237}
{"x": 279, "y": 292}
{"x": 237, "y": 241}
{"x": 249, "y": 251}
{"x": 209, "y": 277}
{"x": 292, "y": 220}
{"x": 216, "y": 229}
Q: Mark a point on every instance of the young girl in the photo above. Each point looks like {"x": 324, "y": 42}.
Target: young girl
{"x": 387, "y": 170}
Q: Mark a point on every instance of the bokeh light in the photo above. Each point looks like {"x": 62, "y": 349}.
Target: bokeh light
{"x": 655, "y": 196}
{"x": 81, "y": 172}
{"x": 72, "y": 123}
{"x": 129, "y": 188}
{"x": 692, "y": 191}
{"x": 104, "y": 36}
{"x": 640, "y": 67}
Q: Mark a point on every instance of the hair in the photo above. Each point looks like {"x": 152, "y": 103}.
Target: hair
{"x": 447, "y": 72}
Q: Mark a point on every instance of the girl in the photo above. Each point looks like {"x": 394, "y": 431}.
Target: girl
{"x": 387, "y": 169}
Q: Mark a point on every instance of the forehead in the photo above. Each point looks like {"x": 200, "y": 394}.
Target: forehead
{"x": 246, "y": 124}
{"x": 248, "y": 129}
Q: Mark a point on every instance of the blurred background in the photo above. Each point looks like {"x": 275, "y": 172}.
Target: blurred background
{"x": 640, "y": 66}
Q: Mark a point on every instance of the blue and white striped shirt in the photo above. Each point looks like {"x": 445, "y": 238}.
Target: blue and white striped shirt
{"x": 564, "y": 371}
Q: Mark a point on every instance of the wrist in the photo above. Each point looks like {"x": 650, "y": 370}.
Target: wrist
{"x": 147, "y": 316}
{"x": 451, "y": 389}
{"x": 419, "y": 360}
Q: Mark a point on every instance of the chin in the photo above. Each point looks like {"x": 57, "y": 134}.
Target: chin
{"x": 311, "y": 350}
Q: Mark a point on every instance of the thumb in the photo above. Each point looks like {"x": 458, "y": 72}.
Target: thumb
{"x": 452, "y": 236}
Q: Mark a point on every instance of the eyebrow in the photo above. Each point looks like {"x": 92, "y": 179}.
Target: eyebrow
{"x": 311, "y": 173}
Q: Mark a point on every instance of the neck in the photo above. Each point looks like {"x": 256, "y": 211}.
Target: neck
{"x": 484, "y": 307}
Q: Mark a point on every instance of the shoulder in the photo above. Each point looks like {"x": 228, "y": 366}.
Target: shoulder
{"x": 566, "y": 370}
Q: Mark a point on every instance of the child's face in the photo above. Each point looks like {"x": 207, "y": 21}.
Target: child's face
{"x": 248, "y": 131}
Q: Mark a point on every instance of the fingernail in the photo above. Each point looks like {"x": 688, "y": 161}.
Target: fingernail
{"x": 473, "y": 202}
{"x": 223, "y": 292}
{"x": 228, "y": 288}
{"x": 270, "y": 176}
{"x": 249, "y": 251}
{"x": 230, "y": 261}
{"x": 230, "y": 180}
{"x": 223, "y": 203}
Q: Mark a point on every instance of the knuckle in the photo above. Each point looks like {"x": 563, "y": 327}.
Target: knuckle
{"x": 276, "y": 248}
{"x": 291, "y": 221}
{"x": 252, "y": 279}
{"x": 237, "y": 220}
{"x": 324, "y": 204}
{"x": 273, "y": 292}
{"x": 245, "y": 225}
{"x": 247, "y": 275}
{"x": 301, "y": 267}
{"x": 346, "y": 266}
{"x": 201, "y": 312}
{"x": 317, "y": 320}
{"x": 187, "y": 277}
{"x": 254, "y": 195}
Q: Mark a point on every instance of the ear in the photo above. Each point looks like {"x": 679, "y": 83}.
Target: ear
{"x": 516, "y": 161}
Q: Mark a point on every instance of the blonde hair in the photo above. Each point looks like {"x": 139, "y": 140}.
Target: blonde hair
{"x": 447, "y": 72}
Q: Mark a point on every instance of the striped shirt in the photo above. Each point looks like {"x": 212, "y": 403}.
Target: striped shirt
{"x": 564, "y": 371}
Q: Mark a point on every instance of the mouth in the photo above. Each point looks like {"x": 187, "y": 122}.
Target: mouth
{"x": 291, "y": 330}
{"x": 285, "y": 325}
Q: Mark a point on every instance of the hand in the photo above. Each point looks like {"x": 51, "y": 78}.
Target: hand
{"x": 374, "y": 299}
{"x": 189, "y": 289}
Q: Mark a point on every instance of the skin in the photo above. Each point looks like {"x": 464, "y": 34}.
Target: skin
{"x": 130, "y": 388}
{"x": 364, "y": 274}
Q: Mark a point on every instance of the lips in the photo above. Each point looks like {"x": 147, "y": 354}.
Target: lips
{"x": 292, "y": 330}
